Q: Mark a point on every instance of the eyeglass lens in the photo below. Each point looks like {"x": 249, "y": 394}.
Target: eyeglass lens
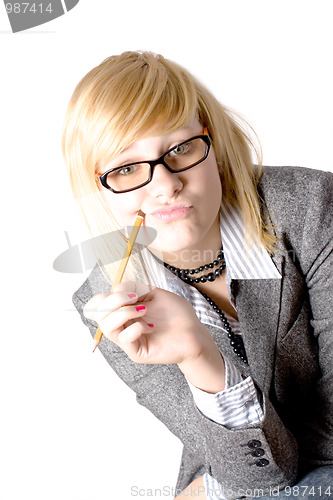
{"x": 180, "y": 158}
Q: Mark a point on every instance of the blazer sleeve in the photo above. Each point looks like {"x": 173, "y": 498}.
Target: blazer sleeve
{"x": 317, "y": 265}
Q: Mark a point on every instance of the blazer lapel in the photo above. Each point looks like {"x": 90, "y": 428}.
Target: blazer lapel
{"x": 258, "y": 305}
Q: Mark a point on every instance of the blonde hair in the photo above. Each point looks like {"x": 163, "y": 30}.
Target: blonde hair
{"x": 133, "y": 93}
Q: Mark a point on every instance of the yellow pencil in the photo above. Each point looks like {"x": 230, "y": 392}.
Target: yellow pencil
{"x": 123, "y": 264}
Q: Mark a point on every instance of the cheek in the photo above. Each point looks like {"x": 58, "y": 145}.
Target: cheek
{"x": 123, "y": 207}
{"x": 209, "y": 182}
{"x": 216, "y": 185}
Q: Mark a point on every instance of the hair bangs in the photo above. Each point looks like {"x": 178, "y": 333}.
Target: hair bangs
{"x": 149, "y": 98}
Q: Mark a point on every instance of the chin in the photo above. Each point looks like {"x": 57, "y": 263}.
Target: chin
{"x": 169, "y": 246}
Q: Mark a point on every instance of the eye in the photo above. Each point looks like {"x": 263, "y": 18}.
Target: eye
{"x": 180, "y": 150}
{"x": 126, "y": 170}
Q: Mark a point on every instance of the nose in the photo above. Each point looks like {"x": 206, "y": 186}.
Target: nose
{"x": 164, "y": 183}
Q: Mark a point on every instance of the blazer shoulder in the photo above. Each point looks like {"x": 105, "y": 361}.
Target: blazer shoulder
{"x": 296, "y": 191}
{"x": 298, "y": 203}
{"x": 290, "y": 179}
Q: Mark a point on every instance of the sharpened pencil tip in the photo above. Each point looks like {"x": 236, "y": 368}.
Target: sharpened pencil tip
{"x": 96, "y": 345}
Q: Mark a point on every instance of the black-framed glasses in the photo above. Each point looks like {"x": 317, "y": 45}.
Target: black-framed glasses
{"x": 132, "y": 176}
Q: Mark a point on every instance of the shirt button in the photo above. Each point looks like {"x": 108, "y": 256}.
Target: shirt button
{"x": 262, "y": 462}
{"x": 254, "y": 443}
{"x": 257, "y": 452}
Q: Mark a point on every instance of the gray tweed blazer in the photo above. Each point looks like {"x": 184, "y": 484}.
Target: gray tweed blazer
{"x": 288, "y": 334}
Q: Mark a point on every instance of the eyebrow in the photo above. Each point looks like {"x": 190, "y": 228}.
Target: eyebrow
{"x": 185, "y": 130}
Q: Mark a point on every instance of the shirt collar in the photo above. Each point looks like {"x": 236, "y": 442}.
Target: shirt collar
{"x": 243, "y": 261}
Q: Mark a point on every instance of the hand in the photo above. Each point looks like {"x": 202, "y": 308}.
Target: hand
{"x": 195, "y": 489}
{"x": 176, "y": 335}
{"x": 157, "y": 326}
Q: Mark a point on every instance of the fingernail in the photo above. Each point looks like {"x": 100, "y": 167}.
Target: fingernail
{"x": 140, "y": 308}
{"x": 150, "y": 324}
{"x": 131, "y": 295}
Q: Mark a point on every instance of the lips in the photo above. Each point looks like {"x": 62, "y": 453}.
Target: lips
{"x": 173, "y": 212}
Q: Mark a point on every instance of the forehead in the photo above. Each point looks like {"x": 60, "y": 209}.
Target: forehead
{"x": 154, "y": 136}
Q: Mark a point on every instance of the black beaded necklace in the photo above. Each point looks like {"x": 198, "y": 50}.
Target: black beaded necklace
{"x": 236, "y": 341}
{"x": 186, "y": 274}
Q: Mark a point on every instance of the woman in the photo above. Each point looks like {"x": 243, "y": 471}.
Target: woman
{"x": 232, "y": 345}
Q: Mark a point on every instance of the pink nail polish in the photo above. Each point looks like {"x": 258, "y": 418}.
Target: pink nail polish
{"x": 140, "y": 308}
{"x": 131, "y": 295}
{"x": 150, "y": 324}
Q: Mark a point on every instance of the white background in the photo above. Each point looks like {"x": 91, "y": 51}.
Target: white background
{"x": 62, "y": 436}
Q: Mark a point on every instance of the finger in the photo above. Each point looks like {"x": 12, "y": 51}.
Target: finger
{"x": 141, "y": 289}
{"x": 133, "y": 341}
{"x": 133, "y": 332}
{"x": 116, "y": 321}
{"x": 92, "y": 304}
{"x": 115, "y": 301}
{"x": 126, "y": 286}
{"x": 101, "y": 305}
